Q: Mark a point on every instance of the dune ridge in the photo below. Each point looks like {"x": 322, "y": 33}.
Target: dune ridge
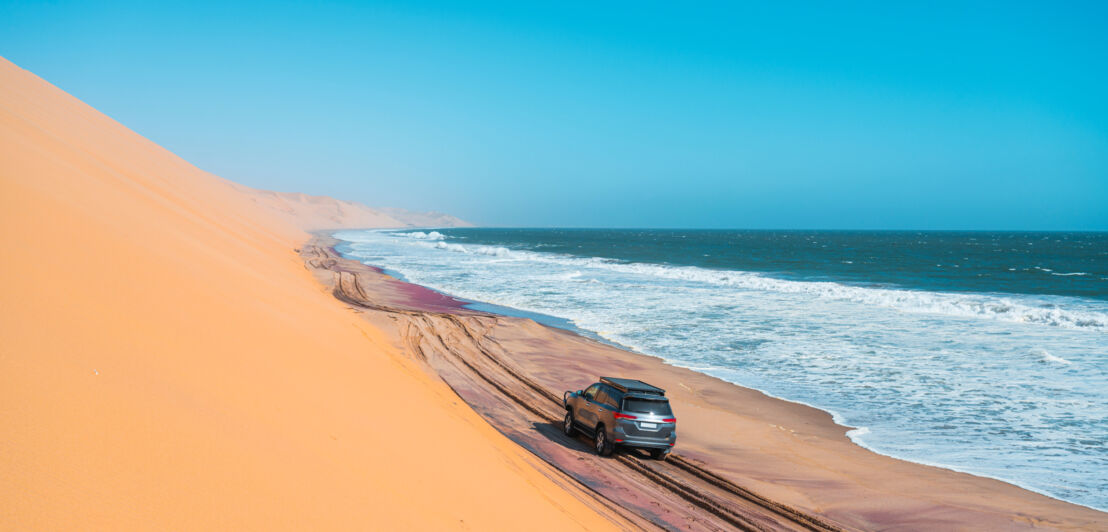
{"x": 322, "y": 212}
{"x": 167, "y": 362}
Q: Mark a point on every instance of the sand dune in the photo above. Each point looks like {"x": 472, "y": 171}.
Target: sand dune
{"x": 321, "y": 212}
{"x": 166, "y": 361}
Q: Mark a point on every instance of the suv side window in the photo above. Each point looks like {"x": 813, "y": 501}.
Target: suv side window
{"x": 615, "y": 397}
{"x": 608, "y": 397}
{"x": 602, "y": 396}
{"x": 590, "y": 392}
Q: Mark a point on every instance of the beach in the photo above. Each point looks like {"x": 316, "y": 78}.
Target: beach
{"x": 870, "y": 327}
{"x": 183, "y": 352}
{"x": 786, "y": 465}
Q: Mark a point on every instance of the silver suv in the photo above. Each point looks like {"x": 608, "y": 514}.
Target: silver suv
{"x": 624, "y": 413}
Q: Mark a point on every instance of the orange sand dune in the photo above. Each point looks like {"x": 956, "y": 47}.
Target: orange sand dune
{"x": 166, "y": 362}
{"x": 321, "y": 212}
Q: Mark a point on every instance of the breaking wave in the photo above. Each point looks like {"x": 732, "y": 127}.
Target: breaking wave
{"x": 1046, "y": 357}
{"x": 982, "y": 306}
{"x": 420, "y": 235}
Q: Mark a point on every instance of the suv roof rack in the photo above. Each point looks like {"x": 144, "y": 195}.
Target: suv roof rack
{"x": 632, "y": 385}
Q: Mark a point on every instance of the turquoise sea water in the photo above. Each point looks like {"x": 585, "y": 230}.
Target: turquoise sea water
{"x": 981, "y": 352}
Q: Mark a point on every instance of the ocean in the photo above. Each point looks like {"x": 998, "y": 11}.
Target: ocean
{"x": 982, "y": 352}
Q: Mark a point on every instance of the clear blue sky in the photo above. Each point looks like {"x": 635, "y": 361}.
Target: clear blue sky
{"x": 771, "y": 115}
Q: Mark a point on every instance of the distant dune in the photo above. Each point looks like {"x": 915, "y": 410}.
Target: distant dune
{"x": 168, "y": 363}
{"x": 322, "y": 212}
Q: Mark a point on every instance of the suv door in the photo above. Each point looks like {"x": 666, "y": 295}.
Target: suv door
{"x": 586, "y": 410}
{"x": 605, "y": 405}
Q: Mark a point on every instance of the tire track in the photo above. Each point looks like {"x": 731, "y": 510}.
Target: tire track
{"x": 462, "y": 340}
{"x": 653, "y": 470}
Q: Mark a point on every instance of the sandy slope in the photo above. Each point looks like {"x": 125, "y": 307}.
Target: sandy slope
{"x": 166, "y": 362}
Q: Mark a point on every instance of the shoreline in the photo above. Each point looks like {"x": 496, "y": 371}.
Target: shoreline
{"x": 568, "y": 325}
{"x": 494, "y": 308}
{"x": 809, "y": 438}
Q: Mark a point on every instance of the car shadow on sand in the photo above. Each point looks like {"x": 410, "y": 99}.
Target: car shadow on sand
{"x": 580, "y": 441}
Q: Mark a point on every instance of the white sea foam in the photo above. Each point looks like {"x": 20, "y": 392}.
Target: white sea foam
{"x": 360, "y": 237}
{"x": 1045, "y": 356}
{"x": 983, "y": 306}
{"x": 493, "y": 251}
{"x": 857, "y": 433}
{"x": 420, "y": 235}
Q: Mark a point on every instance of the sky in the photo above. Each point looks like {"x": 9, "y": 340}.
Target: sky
{"x": 784, "y": 115}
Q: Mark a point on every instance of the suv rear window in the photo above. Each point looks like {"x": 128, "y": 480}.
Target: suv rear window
{"x": 634, "y": 404}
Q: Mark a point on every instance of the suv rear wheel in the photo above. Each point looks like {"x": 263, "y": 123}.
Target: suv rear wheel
{"x": 600, "y": 442}
{"x": 567, "y": 424}
{"x": 659, "y": 454}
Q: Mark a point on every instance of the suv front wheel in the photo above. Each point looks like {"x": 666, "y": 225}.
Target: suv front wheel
{"x": 567, "y": 424}
{"x": 601, "y": 443}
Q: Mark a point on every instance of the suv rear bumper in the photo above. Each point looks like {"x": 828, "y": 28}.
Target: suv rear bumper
{"x": 622, "y": 438}
{"x": 645, "y": 444}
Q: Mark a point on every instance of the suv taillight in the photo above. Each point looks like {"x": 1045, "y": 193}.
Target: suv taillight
{"x": 670, "y": 420}
{"x": 617, "y": 415}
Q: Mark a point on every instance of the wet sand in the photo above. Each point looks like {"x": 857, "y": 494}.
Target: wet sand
{"x": 743, "y": 459}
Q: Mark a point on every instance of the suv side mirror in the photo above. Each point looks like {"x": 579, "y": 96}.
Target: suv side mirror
{"x": 579, "y": 392}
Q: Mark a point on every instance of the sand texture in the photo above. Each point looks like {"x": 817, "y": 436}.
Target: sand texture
{"x": 168, "y": 363}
